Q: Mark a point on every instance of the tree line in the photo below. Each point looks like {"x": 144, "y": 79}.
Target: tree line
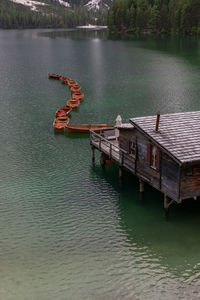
{"x": 14, "y": 15}
{"x": 155, "y": 16}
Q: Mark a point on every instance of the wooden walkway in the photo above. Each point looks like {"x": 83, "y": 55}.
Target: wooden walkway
{"x": 110, "y": 148}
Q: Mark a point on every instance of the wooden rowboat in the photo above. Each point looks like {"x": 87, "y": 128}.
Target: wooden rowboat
{"x": 73, "y": 103}
{"x": 63, "y": 119}
{"x": 54, "y": 76}
{"x": 75, "y": 88}
{"x": 72, "y": 83}
{"x": 61, "y": 113}
{"x": 66, "y": 80}
{"x": 60, "y": 123}
{"x": 67, "y": 108}
{"x": 85, "y": 128}
{"x": 77, "y": 95}
{"x": 64, "y": 111}
{"x": 59, "y": 126}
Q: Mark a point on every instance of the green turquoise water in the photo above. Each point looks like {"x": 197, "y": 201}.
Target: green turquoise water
{"x": 68, "y": 229}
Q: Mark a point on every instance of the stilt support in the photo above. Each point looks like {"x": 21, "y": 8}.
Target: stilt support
{"x": 102, "y": 160}
{"x": 141, "y": 186}
{"x": 120, "y": 172}
{"x": 93, "y": 154}
{"x": 167, "y": 203}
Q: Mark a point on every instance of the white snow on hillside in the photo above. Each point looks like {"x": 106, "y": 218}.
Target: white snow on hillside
{"x": 96, "y": 4}
{"x": 66, "y": 4}
{"x": 31, "y": 3}
{"x": 93, "y": 4}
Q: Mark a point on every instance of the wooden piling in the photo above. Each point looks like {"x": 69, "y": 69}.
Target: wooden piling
{"x": 120, "y": 172}
{"x": 141, "y": 186}
{"x": 102, "y": 160}
{"x": 93, "y": 154}
{"x": 166, "y": 206}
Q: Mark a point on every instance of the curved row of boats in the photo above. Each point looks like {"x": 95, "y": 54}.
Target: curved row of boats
{"x": 61, "y": 122}
{"x": 62, "y": 115}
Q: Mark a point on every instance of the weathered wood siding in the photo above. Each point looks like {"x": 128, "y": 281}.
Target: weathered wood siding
{"x": 142, "y": 168}
{"x": 170, "y": 179}
{"x": 128, "y": 160}
{"x": 190, "y": 181}
{"x": 166, "y": 179}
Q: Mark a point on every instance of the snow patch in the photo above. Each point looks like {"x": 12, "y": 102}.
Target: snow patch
{"x": 91, "y": 26}
{"x": 32, "y": 4}
{"x": 66, "y": 4}
{"x": 97, "y": 4}
{"x": 93, "y": 4}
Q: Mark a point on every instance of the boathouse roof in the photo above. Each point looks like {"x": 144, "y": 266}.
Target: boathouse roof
{"x": 178, "y": 134}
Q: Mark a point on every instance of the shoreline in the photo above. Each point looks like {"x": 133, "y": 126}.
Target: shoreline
{"x": 90, "y": 26}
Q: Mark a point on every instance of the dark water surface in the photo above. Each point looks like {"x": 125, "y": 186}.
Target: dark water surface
{"x": 69, "y": 230}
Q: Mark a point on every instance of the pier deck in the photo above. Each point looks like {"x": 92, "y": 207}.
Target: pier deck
{"x": 111, "y": 150}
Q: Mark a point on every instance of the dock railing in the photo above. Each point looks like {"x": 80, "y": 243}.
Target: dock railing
{"x": 111, "y": 149}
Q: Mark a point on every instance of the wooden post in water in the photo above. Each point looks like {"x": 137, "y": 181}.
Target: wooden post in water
{"x": 166, "y": 206}
{"x": 93, "y": 154}
{"x": 141, "y": 186}
{"x": 167, "y": 203}
{"x": 120, "y": 172}
{"x": 102, "y": 160}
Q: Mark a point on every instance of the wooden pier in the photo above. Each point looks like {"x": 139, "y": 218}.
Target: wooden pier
{"x": 110, "y": 150}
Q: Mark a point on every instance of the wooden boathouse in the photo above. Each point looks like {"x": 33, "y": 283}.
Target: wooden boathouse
{"x": 161, "y": 150}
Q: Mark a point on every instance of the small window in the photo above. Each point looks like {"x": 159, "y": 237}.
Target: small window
{"x": 131, "y": 148}
{"x": 153, "y": 156}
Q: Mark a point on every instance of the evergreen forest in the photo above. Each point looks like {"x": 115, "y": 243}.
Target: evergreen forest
{"x": 155, "y": 16}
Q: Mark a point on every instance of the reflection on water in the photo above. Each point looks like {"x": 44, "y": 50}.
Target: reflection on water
{"x": 143, "y": 221}
{"x": 187, "y": 47}
{"x": 77, "y": 34}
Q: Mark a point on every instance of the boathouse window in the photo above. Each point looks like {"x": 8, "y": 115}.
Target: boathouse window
{"x": 153, "y": 156}
{"x": 131, "y": 148}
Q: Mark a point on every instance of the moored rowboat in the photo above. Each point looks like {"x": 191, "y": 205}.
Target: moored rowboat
{"x": 61, "y": 113}
{"x": 55, "y": 76}
{"x": 77, "y": 95}
{"x": 63, "y": 119}
{"x": 85, "y": 128}
{"x": 72, "y": 83}
{"x": 64, "y": 111}
{"x": 59, "y": 127}
{"x": 60, "y": 123}
{"x": 64, "y": 79}
{"x": 75, "y": 88}
{"x": 73, "y": 103}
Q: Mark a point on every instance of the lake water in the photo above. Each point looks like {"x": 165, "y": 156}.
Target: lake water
{"x": 68, "y": 229}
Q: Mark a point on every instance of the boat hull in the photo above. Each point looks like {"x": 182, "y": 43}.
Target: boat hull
{"x": 86, "y": 128}
{"x": 54, "y": 76}
{"x": 75, "y": 88}
{"x": 73, "y": 103}
{"x": 78, "y": 95}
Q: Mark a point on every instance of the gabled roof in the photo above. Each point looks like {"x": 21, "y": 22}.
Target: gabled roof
{"x": 178, "y": 134}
